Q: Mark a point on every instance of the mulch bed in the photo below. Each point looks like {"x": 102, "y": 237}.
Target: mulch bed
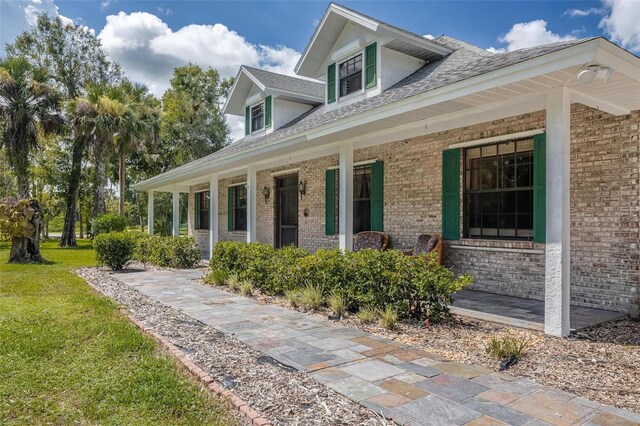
{"x": 283, "y": 396}
{"x": 601, "y": 363}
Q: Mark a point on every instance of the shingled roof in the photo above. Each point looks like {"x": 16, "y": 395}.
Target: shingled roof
{"x": 286, "y": 83}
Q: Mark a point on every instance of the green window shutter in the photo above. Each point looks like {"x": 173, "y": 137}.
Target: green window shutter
{"x": 539, "y": 188}
{"x": 267, "y": 111}
{"x": 371, "y": 76}
{"x": 196, "y": 211}
{"x": 230, "y": 191}
{"x": 247, "y": 121}
{"x": 451, "y": 194}
{"x": 331, "y": 83}
{"x": 377, "y": 196}
{"x": 330, "y": 202}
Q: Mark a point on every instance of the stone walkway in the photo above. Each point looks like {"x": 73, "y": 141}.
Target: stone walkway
{"x": 409, "y": 386}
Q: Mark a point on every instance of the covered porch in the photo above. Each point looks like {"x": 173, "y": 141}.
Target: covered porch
{"x": 548, "y": 84}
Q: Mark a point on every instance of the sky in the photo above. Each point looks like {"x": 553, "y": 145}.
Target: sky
{"x": 150, "y": 38}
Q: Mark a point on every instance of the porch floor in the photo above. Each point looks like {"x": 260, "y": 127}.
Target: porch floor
{"x": 521, "y": 312}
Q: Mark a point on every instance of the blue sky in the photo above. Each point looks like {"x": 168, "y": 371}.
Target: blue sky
{"x": 150, "y": 38}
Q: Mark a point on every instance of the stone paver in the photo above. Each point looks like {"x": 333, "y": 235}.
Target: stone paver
{"x": 409, "y": 386}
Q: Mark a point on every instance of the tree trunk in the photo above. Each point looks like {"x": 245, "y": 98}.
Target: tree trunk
{"x": 80, "y": 222}
{"x": 26, "y": 249}
{"x": 69, "y": 231}
{"x": 122, "y": 179}
{"x": 99, "y": 195}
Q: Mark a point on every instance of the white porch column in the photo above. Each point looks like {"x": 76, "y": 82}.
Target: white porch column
{"x": 150, "y": 212}
{"x": 176, "y": 213}
{"x": 213, "y": 212}
{"x": 345, "y": 197}
{"x": 251, "y": 204}
{"x": 557, "y": 262}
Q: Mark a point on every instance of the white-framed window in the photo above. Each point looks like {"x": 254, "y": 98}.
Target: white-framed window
{"x": 257, "y": 117}
{"x": 350, "y": 75}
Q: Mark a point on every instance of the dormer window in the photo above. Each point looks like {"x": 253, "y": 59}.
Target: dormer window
{"x": 351, "y": 75}
{"x": 257, "y": 117}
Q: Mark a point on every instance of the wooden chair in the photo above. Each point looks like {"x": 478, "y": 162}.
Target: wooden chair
{"x": 370, "y": 240}
{"x": 428, "y": 244}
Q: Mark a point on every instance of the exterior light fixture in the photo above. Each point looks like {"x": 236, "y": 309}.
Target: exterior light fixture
{"x": 266, "y": 192}
{"x": 595, "y": 72}
{"x": 302, "y": 187}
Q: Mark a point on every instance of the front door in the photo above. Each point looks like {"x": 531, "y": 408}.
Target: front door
{"x": 286, "y": 211}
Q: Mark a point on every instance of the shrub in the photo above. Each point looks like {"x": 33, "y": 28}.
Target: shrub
{"x": 389, "y": 318}
{"x": 505, "y": 346}
{"x": 367, "y": 314}
{"x": 108, "y": 222}
{"x": 338, "y": 304}
{"x": 234, "y": 282}
{"x": 217, "y": 277}
{"x": 114, "y": 249}
{"x": 172, "y": 252}
{"x": 293, "y": 296}
{"x": 246, "y": 287}
{"x": 311, "y": 297}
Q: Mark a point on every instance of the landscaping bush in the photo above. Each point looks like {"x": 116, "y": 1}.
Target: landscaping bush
{"x": 338, "y": 304}
{"x": 389, "y": 318}
{"x": 411, "y": 286}
{"x": 367, "y": 314}
{"x": 115, "y": 249}
{"x": 108, "y": 222}
{"x": 505, "y": 346}
{"x": 217, "y": 277}
{"x": 172, "y": 252}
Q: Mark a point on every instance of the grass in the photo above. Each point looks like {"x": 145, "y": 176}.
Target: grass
{"x": 67, "y": 356}
{"x": 505, "y": 346}
{"x": 367, "y": 314}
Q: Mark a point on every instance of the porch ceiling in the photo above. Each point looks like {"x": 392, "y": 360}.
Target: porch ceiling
{"x": 510, "y": 91}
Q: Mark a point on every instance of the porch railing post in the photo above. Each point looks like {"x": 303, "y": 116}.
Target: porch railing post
{"x": 176, "y": 213}
{"x": 345, "y": 197}
{"x": 557, "y": 249}
{"x": 213, "y": 212}
{"x": 251, "y": 204}
{"x": 150, "y": 212}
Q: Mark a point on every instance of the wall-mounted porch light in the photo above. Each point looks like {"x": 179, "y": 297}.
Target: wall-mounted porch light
{"x": 266, "y": 193}
{"x": 302, "y": 187}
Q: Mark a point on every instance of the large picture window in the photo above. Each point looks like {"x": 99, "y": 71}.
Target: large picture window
{"x": 498, "y": 196}
{"x": 351, "y": 75}
{"x": 239, "y": 207}
{"x": 202, "y": 210}
{"x": 361, "y": 198}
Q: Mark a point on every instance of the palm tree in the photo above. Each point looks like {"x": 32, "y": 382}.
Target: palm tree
{"x": 27, "y": 100}
{"x": 139, "y": 124}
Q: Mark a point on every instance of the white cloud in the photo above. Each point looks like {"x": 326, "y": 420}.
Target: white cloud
{"x": 236, "y": 126}
{"x": 529, "y": 34}
{"x": 20, "y": 15}
{"x": 581, "y": 13}
{"x": 429, "y": 36}
{"x": 622, "y": 23}
{"x": 149, "y": 50}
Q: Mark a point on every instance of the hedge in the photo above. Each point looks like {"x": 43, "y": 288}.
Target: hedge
{"x": 417, "y": 287}
{"x": 115, "y": 249}
{"x": 172, "y": 252}
{"x": 108, "y": 222}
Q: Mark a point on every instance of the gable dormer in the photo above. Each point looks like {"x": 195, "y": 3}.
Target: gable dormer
{"x": 269, "y": 100}
{"x": 359, "y": 57}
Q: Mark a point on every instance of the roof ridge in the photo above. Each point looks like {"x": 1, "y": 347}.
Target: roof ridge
{"x": 248, "y": 67}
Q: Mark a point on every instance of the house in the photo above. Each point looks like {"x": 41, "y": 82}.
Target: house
{"x": 527, "y": 162}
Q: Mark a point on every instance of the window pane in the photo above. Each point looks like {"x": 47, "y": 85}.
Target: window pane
{"x": 257, "y": 117}
{"x": 240, "y": 208}
{"x": 351, "y": 75}
{"x": 362, "y": 199}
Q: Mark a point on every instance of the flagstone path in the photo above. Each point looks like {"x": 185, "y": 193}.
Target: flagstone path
{"x": 409, "y": 386}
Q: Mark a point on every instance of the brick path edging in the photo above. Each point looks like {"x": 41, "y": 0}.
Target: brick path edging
{"x": 251, "y": 416}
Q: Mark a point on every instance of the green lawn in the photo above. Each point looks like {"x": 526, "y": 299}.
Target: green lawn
{"x": 68, "y": 357}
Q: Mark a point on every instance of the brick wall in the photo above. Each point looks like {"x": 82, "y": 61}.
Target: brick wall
{"x": 605, "y": 208}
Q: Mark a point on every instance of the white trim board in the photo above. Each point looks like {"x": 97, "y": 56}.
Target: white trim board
{"x": 237, "y": 184}
{"x": 355, "y": 164}
{"x": 285, "y": 172}
{"x": 501, "y": 138}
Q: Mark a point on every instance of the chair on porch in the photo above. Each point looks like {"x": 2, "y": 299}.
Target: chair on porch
{"x": 374, "y": 240}
{"x": 427, "y": 244}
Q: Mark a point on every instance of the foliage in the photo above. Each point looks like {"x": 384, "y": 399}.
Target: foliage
{"x": 414, "y": 286}
{"x": 108, "y": 223}
{"x": 27, "y": 100}
{"x": 234, "y": 282}
{"x": 311, "y": 297}
{"x": 338, "y": 303}
{"x": 389, "y": 318}
{"x": 173, "y": 252}
{"x": 115, "y": 249}
{"x": 68, "y": 347}
{"x": 217, "y": 277}
{"x": 246, "y": 287}
{"x": 367, "y": 314}
{"x": 505, "y": 346}
{"x": 293, "y": 296}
